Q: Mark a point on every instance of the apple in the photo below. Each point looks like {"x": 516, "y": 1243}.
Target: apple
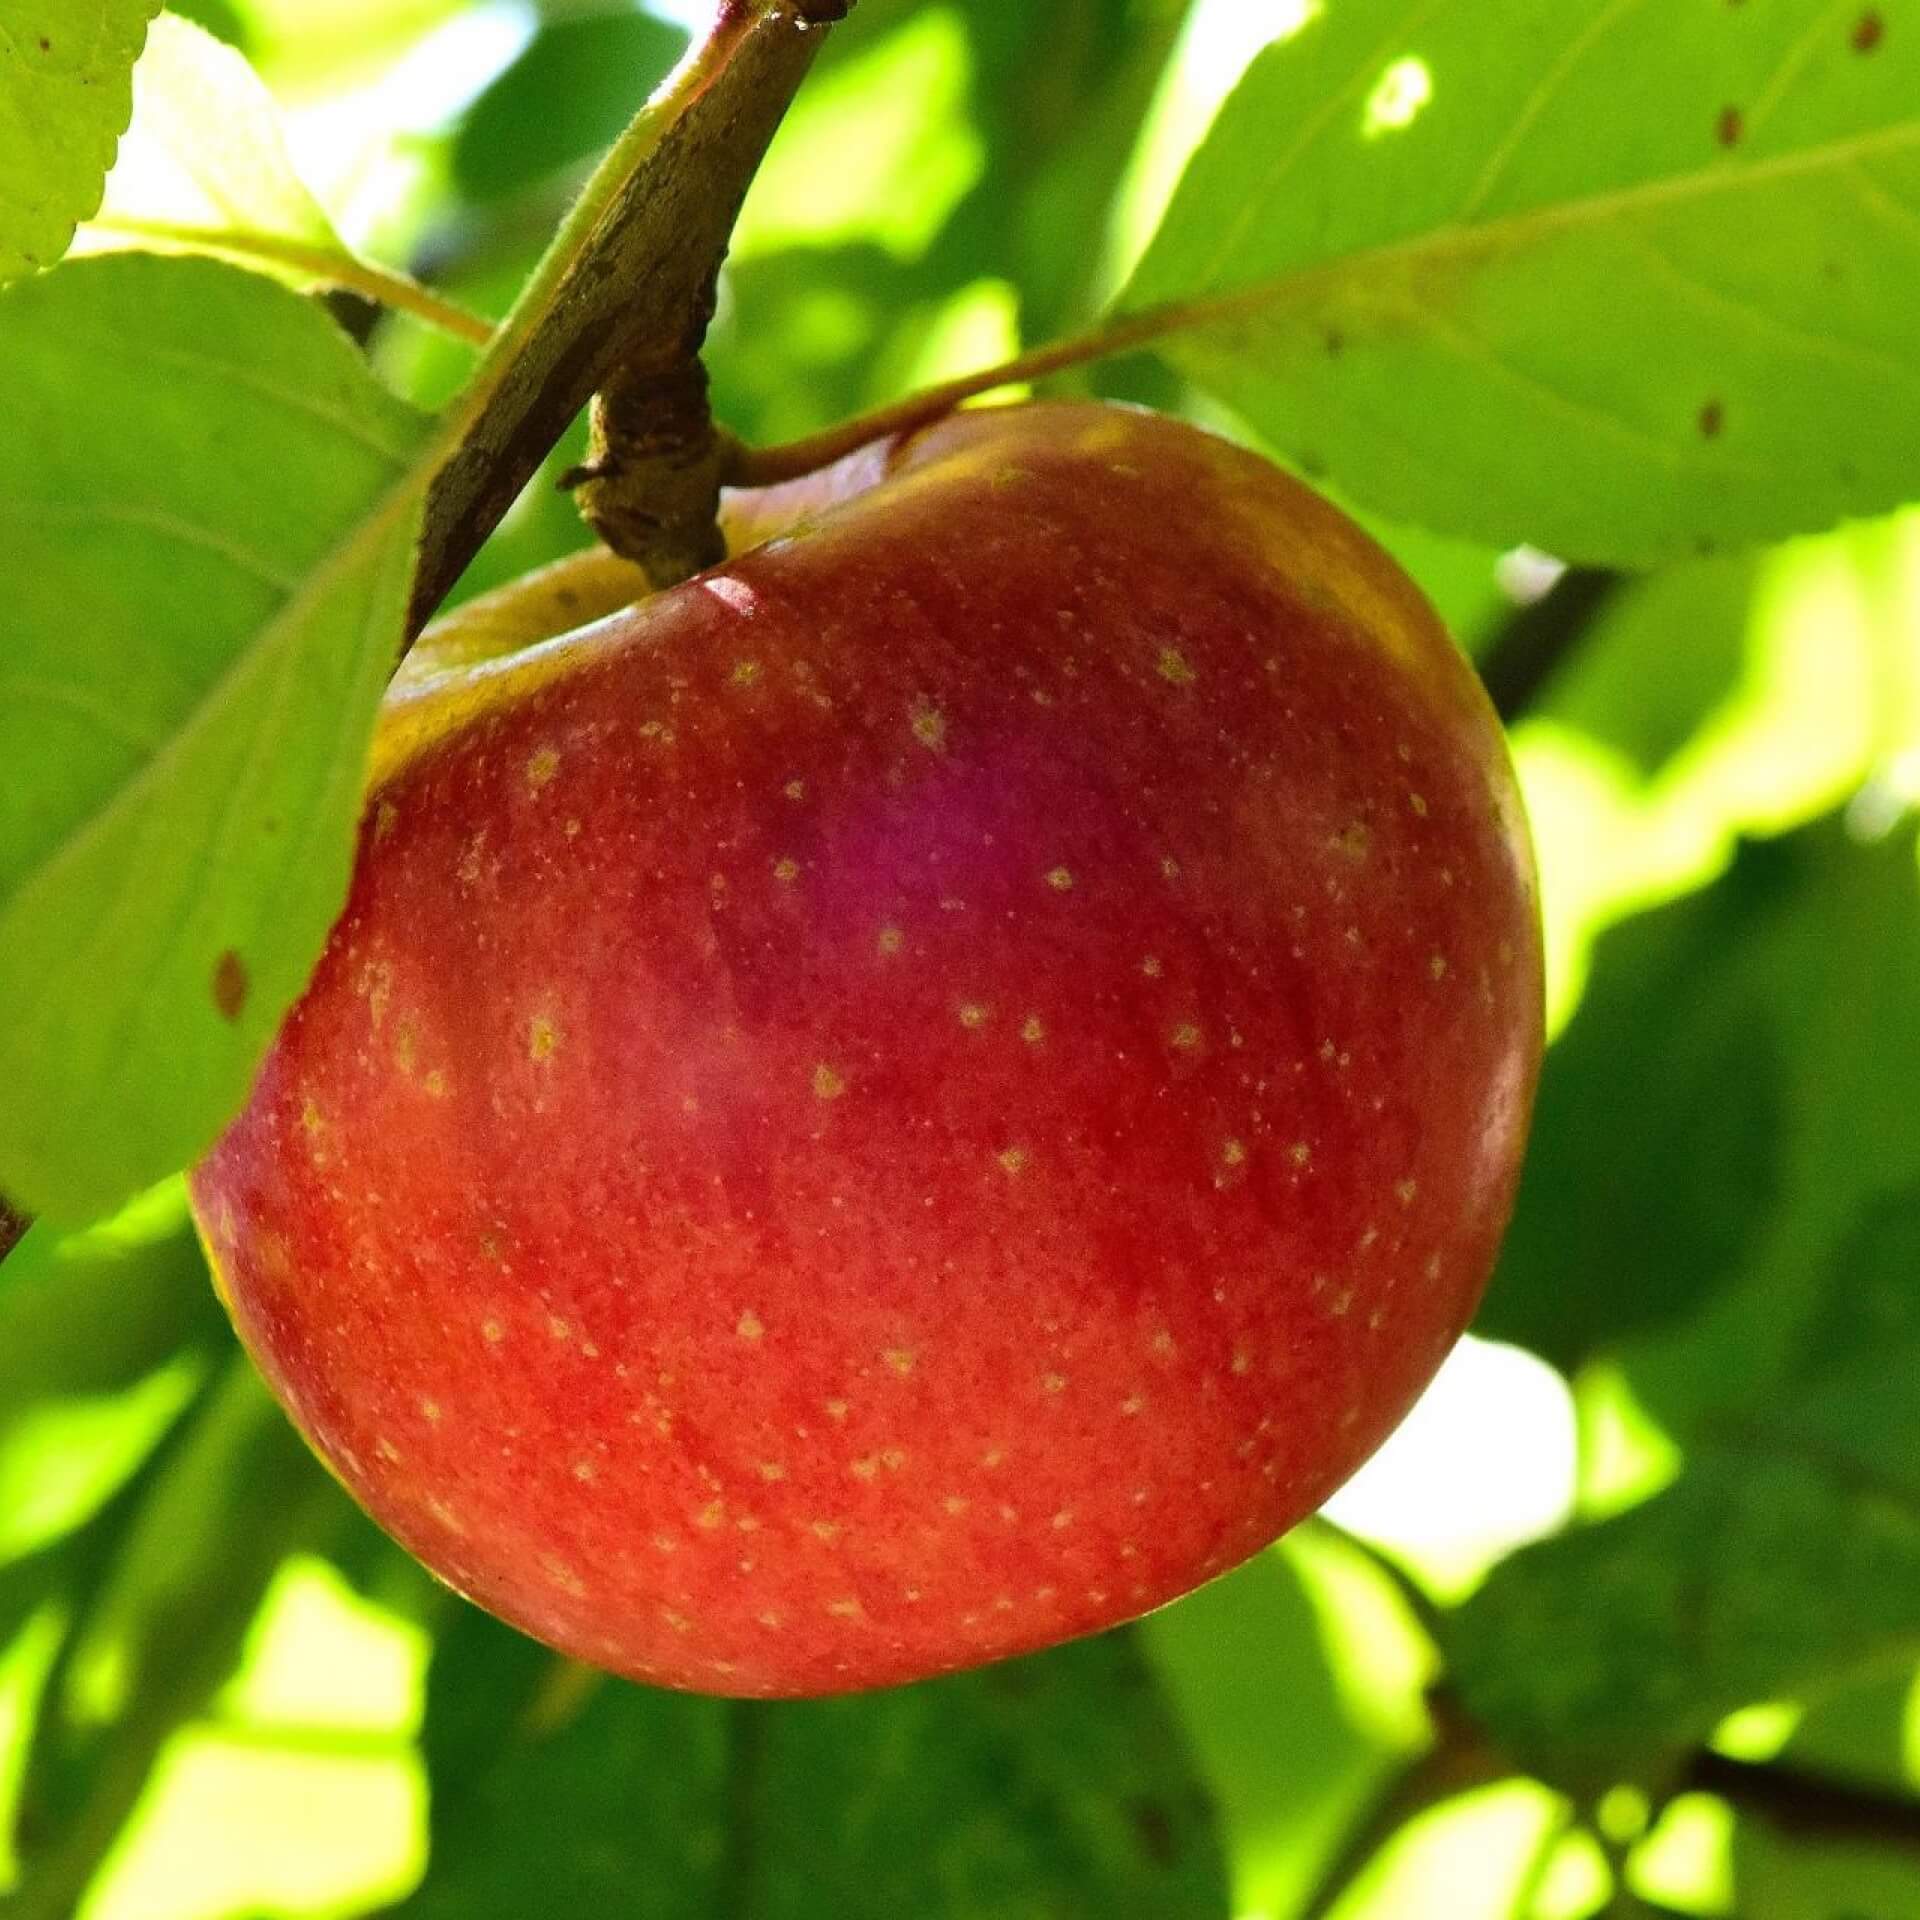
{"x": 917, "y": 1095}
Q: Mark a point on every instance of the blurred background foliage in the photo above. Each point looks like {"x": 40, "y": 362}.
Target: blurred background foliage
{"x": 1657, "y": 1533}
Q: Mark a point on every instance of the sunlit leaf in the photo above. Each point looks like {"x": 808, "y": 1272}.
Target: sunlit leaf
{"x": 897, "y": 102}
{"x": 204, "y": 167}
{"x": 310, "y": 41}
{"x": 164, "y": 1626}
{"x": 1271, "y": 1725}
{"x": 1627, "y": 280}
{"x": 201, "y": 499}
{"x": 104, "y": 1335}
{"x": 65, "y": 93}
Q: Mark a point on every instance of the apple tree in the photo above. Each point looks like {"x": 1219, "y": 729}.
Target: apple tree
{"x": 802, "y": 788}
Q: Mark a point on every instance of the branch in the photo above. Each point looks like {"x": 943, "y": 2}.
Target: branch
{"x": 1806, "y": 1806}
{"x": 628, "y": 280}
{"x": 1539, "y": 639}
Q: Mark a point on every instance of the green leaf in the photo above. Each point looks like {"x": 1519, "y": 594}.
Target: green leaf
{"x": 893, "y": 90}
{"x": 1059, "y": 94}
{"x": 1853, "y": 1401}
{"x": 556, "y": 1789}
{"x": 1785, "y": 1560}
{"x": 574, "y": 86}
{"x": 1273, "y": 1729}
{"x": 1754, "y": 1577}
{"x": 1620, "y": 1227}
{"x": 169, "y": 1601}
{"x": 1764, "y": 1035}
{"x": 104, "y": 1335}
{"x": 65, "y": 93}
{"x": 1834, "y": 963}
{"x": 202, "y": 498}
{"x": 92, "y": 1312}
{"x": 204, "y": 167}
{"x": 1049, "y": 1787}
{"x": 1433, "y": 255}
{"x": 1056, "y": 1785}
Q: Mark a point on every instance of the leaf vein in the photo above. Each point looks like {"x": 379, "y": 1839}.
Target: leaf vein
{"x": 152, "y": 520}
{"x": 1309, "y": 131}
{"x": 1536, "y": 103}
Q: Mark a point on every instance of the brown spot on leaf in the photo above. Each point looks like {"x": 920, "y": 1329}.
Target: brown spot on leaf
{"x": 230, "y": 985}
{"x": 1713, "y": 417}
{"x": 1153, "y": 1828}
{"x": 1869, "y": 30}
{"x": 1729, "y": 127}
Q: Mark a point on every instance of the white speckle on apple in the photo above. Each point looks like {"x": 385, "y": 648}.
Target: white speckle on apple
{"x": 929, "y": 726}
{"x": 562, "y": 1575}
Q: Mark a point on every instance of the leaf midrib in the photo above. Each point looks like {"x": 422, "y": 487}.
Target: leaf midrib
{"x": 1456, "y": 238}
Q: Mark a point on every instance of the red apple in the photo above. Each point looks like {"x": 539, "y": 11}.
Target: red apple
{"x": 917, "y": 1095}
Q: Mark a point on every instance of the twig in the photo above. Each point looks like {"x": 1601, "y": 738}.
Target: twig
{"x": 627, "y": 278}
{"x": 1538, "y": 640}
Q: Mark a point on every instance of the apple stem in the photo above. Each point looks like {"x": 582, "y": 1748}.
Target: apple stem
{"x": 650, "y": 484}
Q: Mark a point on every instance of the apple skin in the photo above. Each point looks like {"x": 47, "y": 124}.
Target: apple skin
{"x": 915, "y": 1096}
